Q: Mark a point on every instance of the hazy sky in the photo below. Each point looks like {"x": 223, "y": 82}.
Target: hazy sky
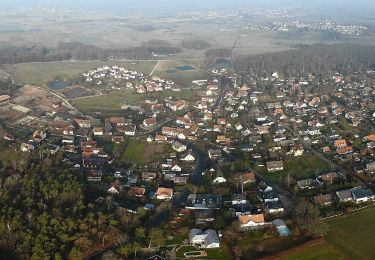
{"x": 182, "y": 5}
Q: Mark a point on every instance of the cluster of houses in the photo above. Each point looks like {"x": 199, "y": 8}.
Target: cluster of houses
{"x": 98, "y": 75}
{"x": 249, "y": 216}
{"x": 154, "y": 84}
{"x": 356, "y": 195}
{"x": 114, "y": 77}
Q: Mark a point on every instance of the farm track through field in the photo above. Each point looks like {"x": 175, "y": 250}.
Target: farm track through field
{"x": 156, "y": 65}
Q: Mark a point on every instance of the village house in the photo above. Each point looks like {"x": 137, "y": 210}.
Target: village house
{"x": 251, "y": 221}
{"x": 340, "y": 143}
{"x": 219, "y": 177}
{"x": 325, "y": 199}
{"x": 178, "y": 105}
{"x": 161, "y": 138}
{"x": 306, "y": 184}
{"x": 344, "y": 195}
{"x": 69, "y": 130}
{"x": 67, "y": 139}
{"x": 178, "y": 147}
{"x": 214, "y": 154}
{"x": 370, "y": 167}
{"x": 137, "y": 192}
{"x": 98, "y": 131}
{"x": 39, "y": 136}
{"x": 149, "y": 122}
{"x": 274, "y": 207}
{"x": 239, "y": 199}
{"x": 275, "y": 166}
{"x": 369, "y": 138}
{"x": 222, "y": 139}
{"x": 4, "y": 98}
{"x": 116, "y": 187}
{"x": 327, "y": 178}
{"x": 94, "y": 176}
{"x": 83, "y": 123}
{"x": 362, "y": 195}
{"x": 188, "y": 157}
{"x": 8, "y": 137}
{"x": 203, "y": 201}
{"x": 204, "y": 239}
{"x": 26, "y": 147}
{"x": 149, "y": 176}
{"x": 246, "y": 178}
{"x": 164, "y": 193}
{"x": 171, "y": 131}
{"x": 118, "y": 139}
{"x": 345, "y": 150}
{"x": 116, "y": 121}
{"x": 129, "y": 130}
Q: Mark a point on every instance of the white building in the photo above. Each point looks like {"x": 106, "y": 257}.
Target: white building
{"x": 204, "y": 239}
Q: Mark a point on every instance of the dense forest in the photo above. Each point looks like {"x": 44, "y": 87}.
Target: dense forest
{"x": 195, "y": 44}
{"x": 213, "y": 55}
{"x": 317, "y": 59}
{"x": 44, "y": 214}
{"x": 80, "y": 51}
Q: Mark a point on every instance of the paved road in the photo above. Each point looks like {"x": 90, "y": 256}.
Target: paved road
{"x": 156, "y": 65}
{"x": 222, "y": 85}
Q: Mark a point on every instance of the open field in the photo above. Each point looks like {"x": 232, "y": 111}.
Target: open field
{"x": 254, "y": 246}
{"x": 319, "y": 252}
{"x": 140, "y": 152}
{"x": 168, "y": 70}
{"x": 3, "y": 75}
{"x": 114, "y": 100}
{"x": 213, "y": 253}
{"x": 305, "y": 165}
{"x": 77, "y": 92}
{"x": 40, "y": 73}
{"x": 349, "y": 237}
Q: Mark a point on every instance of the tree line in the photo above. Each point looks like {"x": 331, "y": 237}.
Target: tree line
{"x": 195, "y": 44}
{"x": 80, "y": 51}
{"x": 318, "y": 59}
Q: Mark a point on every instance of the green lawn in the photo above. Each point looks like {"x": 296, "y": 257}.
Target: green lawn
{"x": 349, "y": 237}
{"x": 108, "y": 146}
{"x": 114, "y": 100}
{"x": 254, "y": 245}
{"x": 40, "y": 73}
{"x": 183, "y": 78}
{"x": 353, "y": 235}
{"x": 184, "y": 249}
{"x": 220, "y": 253}
{"x": 140, "y": 152}
{"x": 323, "y": 252}
{"x": 188, "y": 95}
{"x": 213, "y": 253}
{"x": 301, "y": 166}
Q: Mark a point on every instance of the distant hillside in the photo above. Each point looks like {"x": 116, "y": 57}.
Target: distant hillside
{"x": 317, "y": 59}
